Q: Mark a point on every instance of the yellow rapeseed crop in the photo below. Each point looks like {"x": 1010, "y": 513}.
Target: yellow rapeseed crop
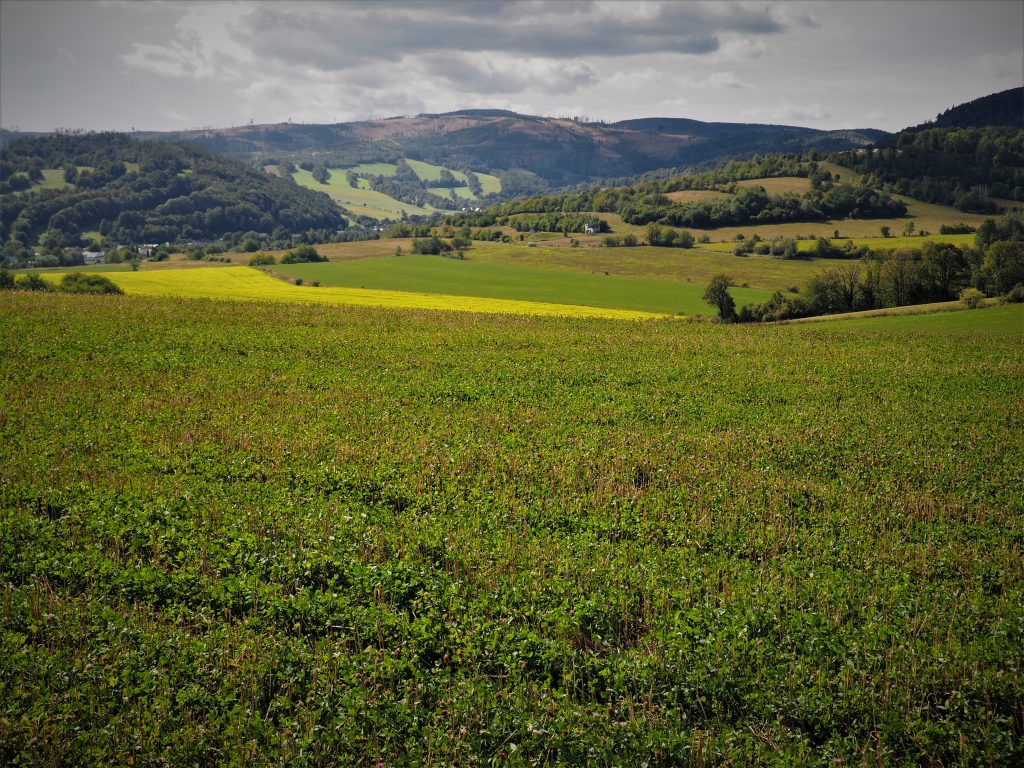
{"x": 247, "y": 284}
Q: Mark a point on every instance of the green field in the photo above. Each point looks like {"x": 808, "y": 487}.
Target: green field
{"x": 328, "y": 535}
{"x": 991, "y": 321}
{"x": 361, "y": 201}
{"x": 697, "y": 265}
{"x": 874, "y": 243}
{"x": 436, "y": 274}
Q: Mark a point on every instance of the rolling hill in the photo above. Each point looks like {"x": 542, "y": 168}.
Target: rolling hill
{"x": 528, "y": 151}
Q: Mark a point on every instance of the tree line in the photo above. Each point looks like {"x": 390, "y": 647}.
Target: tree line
{"x": 900, "y": 277}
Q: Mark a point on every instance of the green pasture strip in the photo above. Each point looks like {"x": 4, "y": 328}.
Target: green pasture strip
{"x": 439, "y": 275}
{"x": 874, "y": 243}
{"x": 463, "y": 192}
{"x": 1006, "y": 320}
{"x": 489, "y": 184}
{"x": 374, "y": 169}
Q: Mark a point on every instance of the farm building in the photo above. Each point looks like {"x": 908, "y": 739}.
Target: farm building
{"x": 94, "y": 257}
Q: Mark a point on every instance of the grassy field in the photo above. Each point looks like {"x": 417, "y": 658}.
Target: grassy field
{"x": 462, "y": 192}
{"x": 438, "y": 275}
{"x": 374, "y": 169}
{"x": 247, "y": 284}
{"x": 875, "y": 243}
{"x": 692, "y": 195}
{"x": 945, "y": 318}
{"x": 694, "y": 265}
{"x": 361, "y": 201}
{"x": 319, "y": 535}
{"x": 780, "y": 185}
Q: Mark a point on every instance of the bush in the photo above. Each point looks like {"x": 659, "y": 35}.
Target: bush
{"x": 32, "y": 283}
{"x": 304, "y": 254}
{"x": 971, "y": 298}
{"x": 1016, "y": 294}
{"x": 262, "y": 260}
{"x": 80, "y": 282}
{"x": 6, "y": 280}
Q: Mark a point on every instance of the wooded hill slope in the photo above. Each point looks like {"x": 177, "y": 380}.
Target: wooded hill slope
{"x": 143, "y": 191}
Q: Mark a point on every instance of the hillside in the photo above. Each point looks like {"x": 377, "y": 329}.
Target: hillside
{"x": 134, "y": 191}
{"x": 970, "y": 156}
{"x": 529, "y": 152}
{"x": 1003, "y": 108}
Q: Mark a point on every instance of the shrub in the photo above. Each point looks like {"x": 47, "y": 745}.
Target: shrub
{"x": 298, "y": 281}
{"x": 6, "y": 280}
{"x": 971, "y": 297}
{"x": 304, "y": 254}
{"x": 1016, "y": 294}
{"x": 79, "y": 282}
{"x": 262, "y": 260}
{"x": 32, "y": 283}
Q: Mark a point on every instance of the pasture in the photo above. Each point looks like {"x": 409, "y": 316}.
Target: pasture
{"x": 688, "y": 265}
{"x": 361, "y": 200}
{"x": 439, "y": 275}
{"x": 329, "y": 535}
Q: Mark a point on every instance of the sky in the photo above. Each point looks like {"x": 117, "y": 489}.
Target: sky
{"x": 167, "y": 65}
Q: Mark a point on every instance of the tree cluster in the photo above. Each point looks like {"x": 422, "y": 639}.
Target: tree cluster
{"x": 963, "y": 167}
{"x": 178, "y": 193}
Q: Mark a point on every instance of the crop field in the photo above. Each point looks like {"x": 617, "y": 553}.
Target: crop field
{"x": 361, "y": 201}
{"x": 247, "y": 284}
{"x": 321, "y": 535}
{"x": 438, "y": 275}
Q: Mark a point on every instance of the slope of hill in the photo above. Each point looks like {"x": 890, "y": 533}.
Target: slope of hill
{"x": 1003, "y": 108}
{"x": 137, "y": 191}
{"x": 967, "y": 156}
{"x": 529, "y": 152}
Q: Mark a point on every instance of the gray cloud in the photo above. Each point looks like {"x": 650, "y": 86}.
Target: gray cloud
{"x": 829, "y": 64}
{"x": 337, "y": 37}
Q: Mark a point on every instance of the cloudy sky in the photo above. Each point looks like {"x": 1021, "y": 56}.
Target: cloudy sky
{"x": 170, "y": 65}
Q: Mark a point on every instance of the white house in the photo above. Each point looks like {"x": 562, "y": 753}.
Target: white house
{"x": 591, "y": 229}
{"x": 94, "y": 257}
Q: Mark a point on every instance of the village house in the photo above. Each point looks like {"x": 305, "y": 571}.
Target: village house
{"x": 94, "y": 257}
{"x": 592, "y": 229}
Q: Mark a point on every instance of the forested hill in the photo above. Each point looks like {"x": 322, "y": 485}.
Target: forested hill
{"x": 1003, "y": 108}
{"x": 528, "y": 152}
{"x": 60, "y": 186}
{"x": 971, "y": 156}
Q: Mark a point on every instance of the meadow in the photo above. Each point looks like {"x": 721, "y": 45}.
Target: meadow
{"x": 363, "y": 201}
{"x": 360, "y": 200}
{"x": 330, "y": 535}
{"x": 463, "y": 277}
